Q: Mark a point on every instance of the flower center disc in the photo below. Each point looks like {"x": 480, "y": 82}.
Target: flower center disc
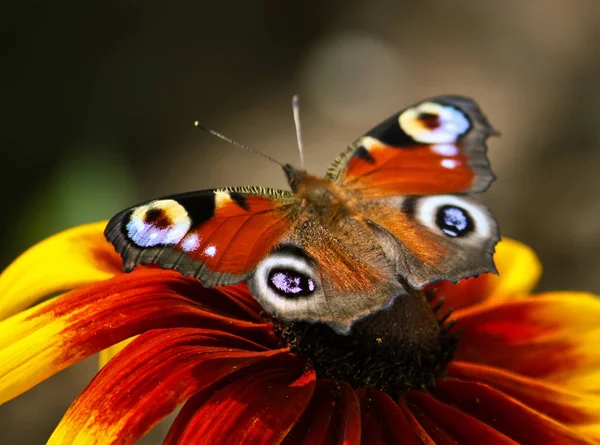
{"x": 399, "y": 349}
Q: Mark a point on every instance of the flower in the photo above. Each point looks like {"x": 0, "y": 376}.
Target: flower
{"x": 526, "y": 369}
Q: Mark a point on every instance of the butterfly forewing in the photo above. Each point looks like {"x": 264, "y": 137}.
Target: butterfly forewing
{"x": 436, "y": 146}
{"x": 217, "y": 236}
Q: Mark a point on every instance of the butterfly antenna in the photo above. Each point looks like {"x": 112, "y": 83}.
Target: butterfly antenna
{"x": 296, "y": 110}
{"x": 237, "y": 144}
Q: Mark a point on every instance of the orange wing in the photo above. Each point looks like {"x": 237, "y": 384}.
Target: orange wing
{"x": 436, "y": 146}
{"x": 217, "y": 236}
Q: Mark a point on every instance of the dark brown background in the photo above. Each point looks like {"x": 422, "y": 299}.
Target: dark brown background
{"x": 98, "y": 103}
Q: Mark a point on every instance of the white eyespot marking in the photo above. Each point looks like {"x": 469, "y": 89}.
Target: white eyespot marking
{"x": 445, "y": 149}
{"x": 455, "y": 216}
{"x": 191, "y": 242}
{"x": 284, "y": 283}
{"x": 222, "y": 198}
{"x": 210, "y": 251}
{"x": 432, "y": 123}
{"x": 161, "y": 222}
{"x": 449, "y": 163}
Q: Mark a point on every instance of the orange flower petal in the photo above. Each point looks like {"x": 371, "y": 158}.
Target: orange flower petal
{"x": 504, "y": 414}
{"x": 446, "y": 424}
{"x": 553, "y": 336}
{"x": 333, "y": 416}
{"x": 518, "y": 272}
{"x": 45, "y": 339}
{"x": 383, "y": 422}
{"x": 556, "y": 402}
{"x": 65, "y": 261}
{"x": 158, "y": 371}
{"x": 260, "y": 409}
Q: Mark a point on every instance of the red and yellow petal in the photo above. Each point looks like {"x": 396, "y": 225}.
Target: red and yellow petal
{"x": 45, "y": 339}
{"x": 518, "y": 272}
{"x": 502, "y": 413}
{"x": 260, "y": 408}
{"x": 553, "y": 336}
{"x": 557, "y": 402}
{"x": 67, "y": 260}
{"x": 331, "y": 418}
{"x": 245, "y": 305}
{"x": 157, "y": 372}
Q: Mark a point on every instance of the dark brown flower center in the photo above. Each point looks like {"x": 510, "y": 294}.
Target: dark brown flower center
{"x": 403, "y": 348}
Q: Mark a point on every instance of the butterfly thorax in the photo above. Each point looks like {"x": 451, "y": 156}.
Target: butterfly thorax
{"x": 318, "y": 196}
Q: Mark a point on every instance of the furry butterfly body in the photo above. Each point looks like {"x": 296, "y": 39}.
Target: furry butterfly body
{"x": 394, "y": 213}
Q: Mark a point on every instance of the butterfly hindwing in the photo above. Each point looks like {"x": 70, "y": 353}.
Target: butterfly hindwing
{"x": 436, "y": 146}
{"x": 217, "y": 236}
{"x": 432, "y": 238}
{"x": 319, "y": 275}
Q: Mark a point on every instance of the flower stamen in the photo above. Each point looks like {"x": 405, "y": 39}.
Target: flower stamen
{"x": 403, "y": 348}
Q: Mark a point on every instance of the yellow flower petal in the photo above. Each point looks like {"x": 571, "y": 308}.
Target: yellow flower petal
{"x": 65, "y": 261}
{"x": 107, "y": 354}
{"x": 586, "y": 381}
{"x": 519, "y": 269}
{"x": 25, "y": 360}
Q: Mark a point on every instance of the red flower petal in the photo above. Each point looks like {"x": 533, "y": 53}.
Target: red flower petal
{"x": 415, "y": 425}
{"x": 145, "y": 382}
{"x": 189, "y": 410}
{"x": 446, "y": 424}
{"x": 332, "y": 417}
{"x": 504, "y": 414}
{"x": 553, "y": 401}
{"x": 383, "y": 422}
{"x": 260, "y": 408}
{"x": 465, "y": 293}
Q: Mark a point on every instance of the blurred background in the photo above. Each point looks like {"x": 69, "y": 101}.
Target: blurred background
{"x": 98, "y": 105}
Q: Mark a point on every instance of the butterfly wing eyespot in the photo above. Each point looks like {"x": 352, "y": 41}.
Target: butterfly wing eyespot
{"x": 433, "y": 123}
{"x": 160, "y": 222}
{"x": 286, "y": 281}
{"x": 454, "y": 216}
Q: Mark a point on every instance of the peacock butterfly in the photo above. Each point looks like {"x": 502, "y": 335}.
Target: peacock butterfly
{"x": 395, "y": 212}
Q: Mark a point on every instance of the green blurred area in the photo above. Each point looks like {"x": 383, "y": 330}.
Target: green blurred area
{"x": 99, "y": 100}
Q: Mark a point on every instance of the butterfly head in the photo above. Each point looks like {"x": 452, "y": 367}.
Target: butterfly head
{"x": 295, "y": 176}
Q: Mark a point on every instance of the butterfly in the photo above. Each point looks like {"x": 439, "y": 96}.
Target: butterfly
{"x": 394, "y": 213}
